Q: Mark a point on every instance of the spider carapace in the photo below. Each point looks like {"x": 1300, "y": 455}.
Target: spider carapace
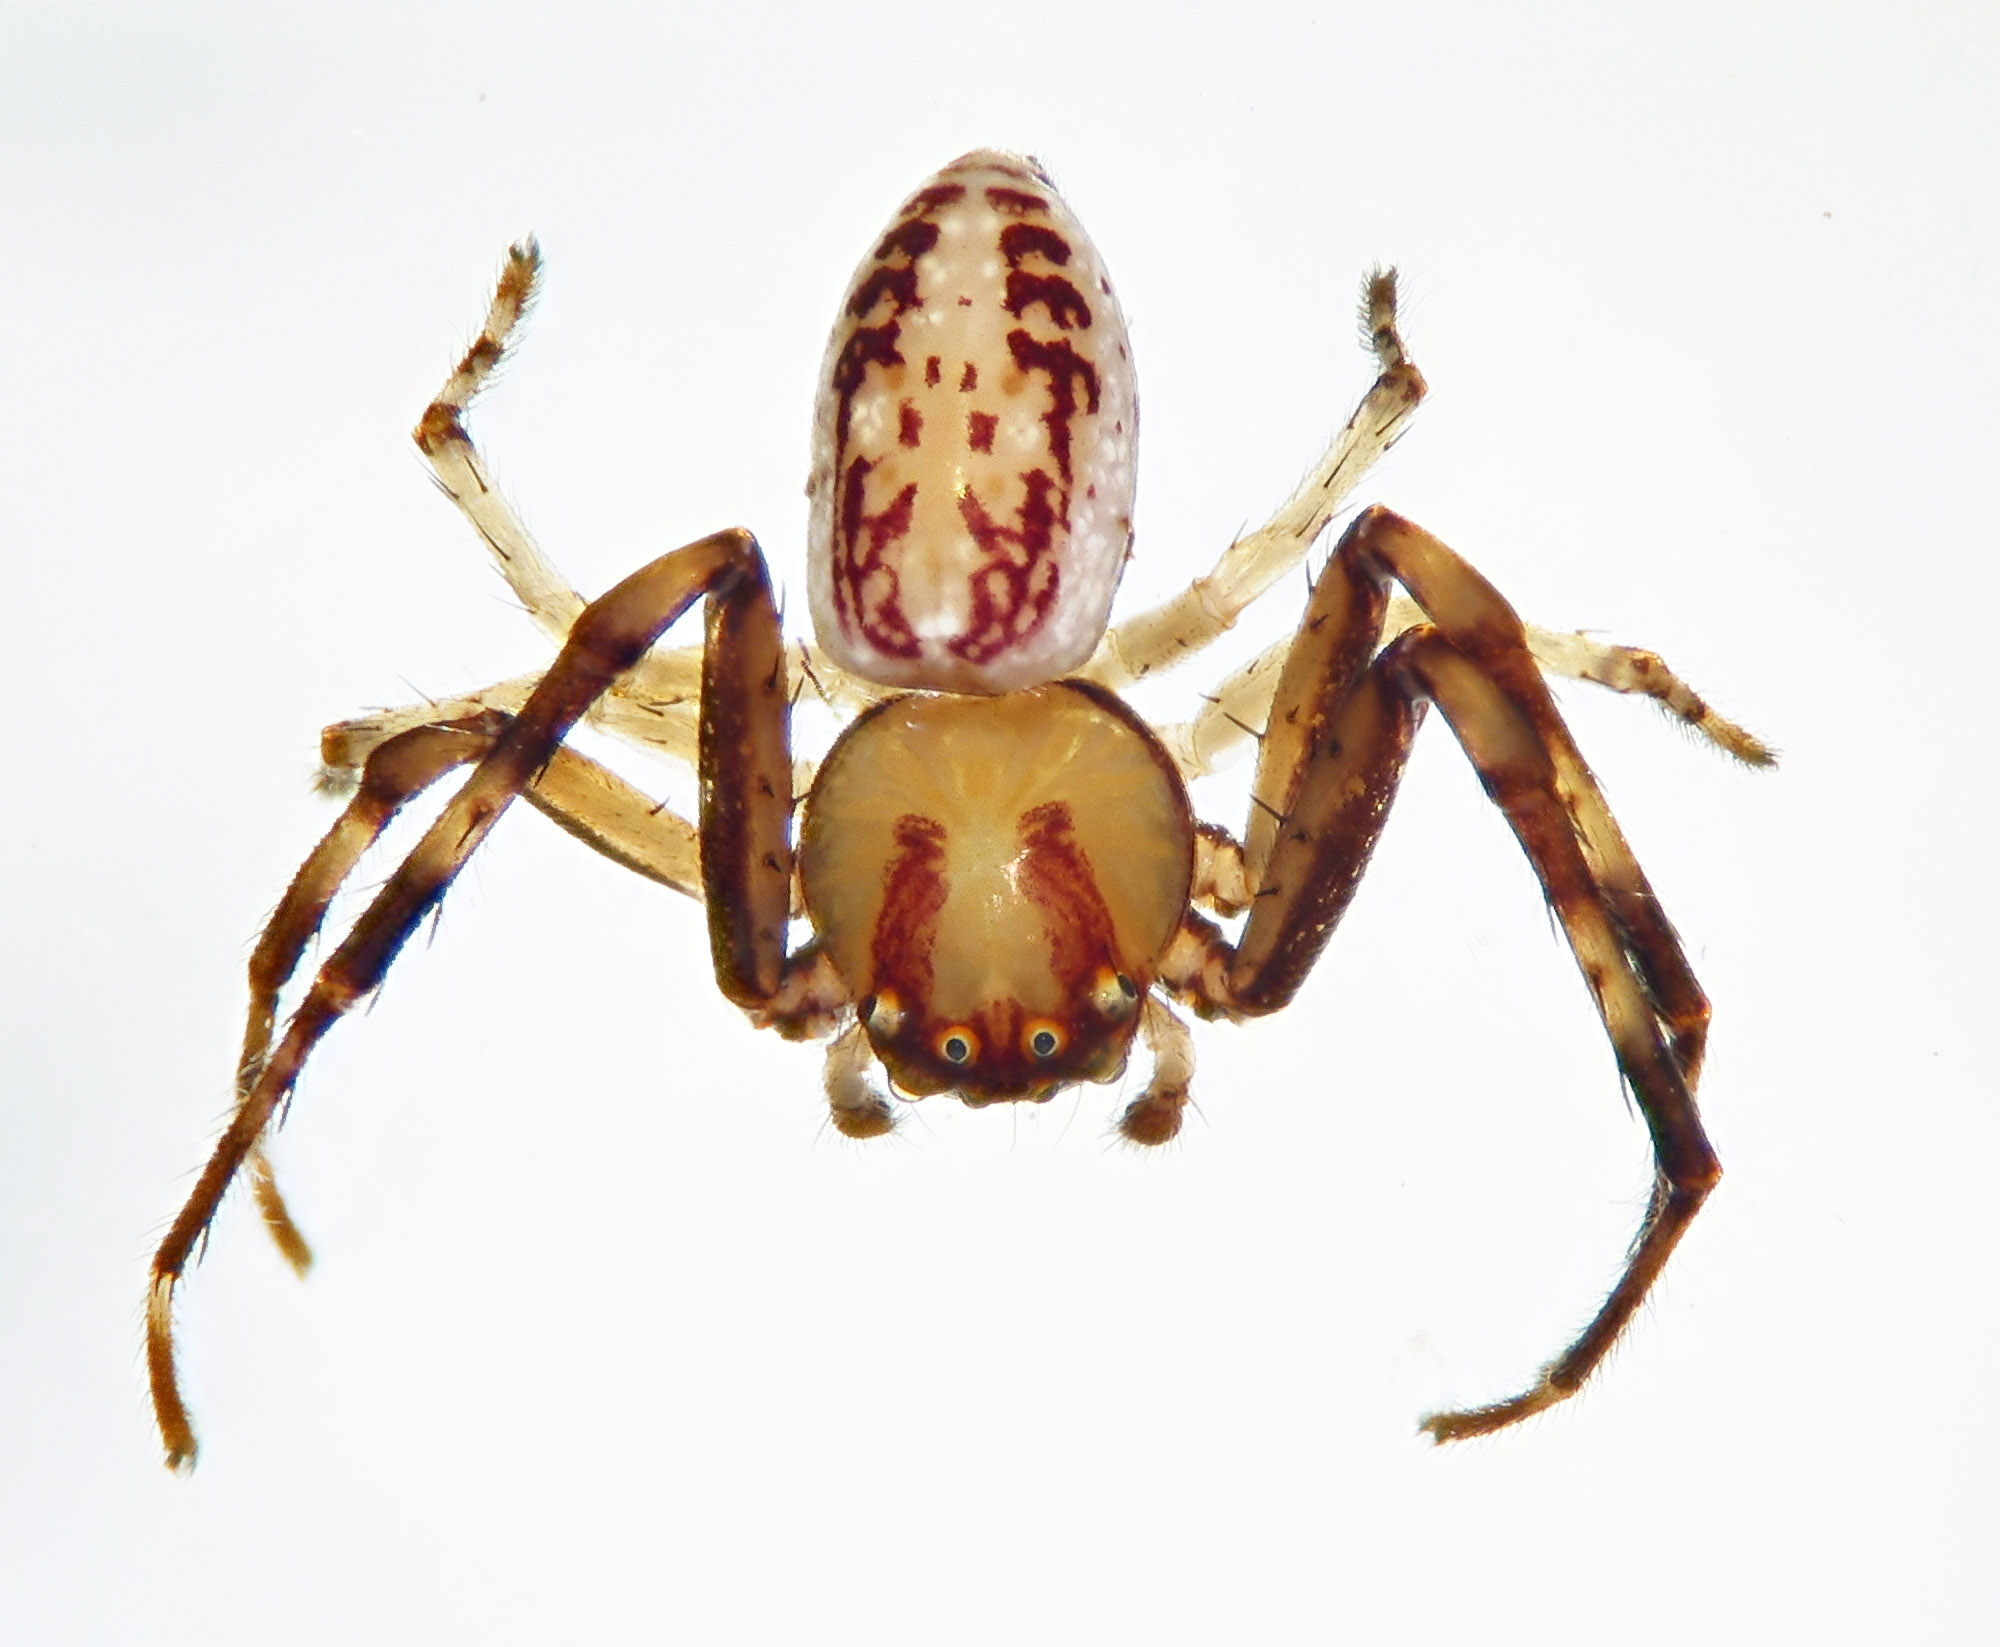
{"x": 1003, "y": 879}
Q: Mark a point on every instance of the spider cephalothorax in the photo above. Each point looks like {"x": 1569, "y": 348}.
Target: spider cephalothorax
{"x": 995, "y": 880}
{"x": 1003, "y": 879}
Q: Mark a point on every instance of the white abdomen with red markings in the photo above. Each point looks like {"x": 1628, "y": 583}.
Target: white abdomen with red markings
{"x": 974, "y": 442}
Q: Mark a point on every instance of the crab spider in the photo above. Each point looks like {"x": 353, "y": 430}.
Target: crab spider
{"x": 1004, "y": 881}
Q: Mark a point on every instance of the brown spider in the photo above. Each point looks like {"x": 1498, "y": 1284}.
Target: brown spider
{"x": 997, "y": 857}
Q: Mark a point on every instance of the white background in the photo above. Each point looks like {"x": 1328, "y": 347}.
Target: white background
{"x": 611, "y": 1338}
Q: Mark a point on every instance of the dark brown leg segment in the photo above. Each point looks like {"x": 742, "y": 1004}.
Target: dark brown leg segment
{"x": 606, "y": 640}
{"x": 745, "y": 764}
{"x": 1506, "y": 748}
{"x": 1332, "y": 755}
{"x": 395, "y": 774}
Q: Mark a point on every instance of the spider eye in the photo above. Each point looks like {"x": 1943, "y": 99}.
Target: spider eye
{"x": 1114, "y": 995}
{"x": 1043, "y": 1039}
{"x": 883, "y": 1014}
{"x": 958, "y": 1046}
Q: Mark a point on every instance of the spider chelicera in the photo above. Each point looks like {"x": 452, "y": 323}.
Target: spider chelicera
{"x": 997, "y": 860}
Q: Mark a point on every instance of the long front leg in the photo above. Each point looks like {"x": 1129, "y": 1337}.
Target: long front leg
{"x": 395, "y": 774}
{"x": 1619, "y": 964}
{"x": 1332, "y": 755}
{"x": 584, "y": 798}
{"x": 611, "y": 635}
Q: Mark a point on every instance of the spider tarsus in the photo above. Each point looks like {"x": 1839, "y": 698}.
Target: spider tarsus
{"x": 872, "y": 1120}
{"x": 170, "y": 1411}
{"x": 1478, "y": 1421}
{"x": 284, "y": 1230}
{"x": 1378, "y": 319}
{"x": 1154, "y": 1117}
{"x": 1738, "y": 741}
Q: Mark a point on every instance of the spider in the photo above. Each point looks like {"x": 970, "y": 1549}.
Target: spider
{"x": 1003, "y": 879}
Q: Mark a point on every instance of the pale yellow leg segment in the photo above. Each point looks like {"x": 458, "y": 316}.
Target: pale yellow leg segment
{"x": 1158, "y": 639}
{"x": 1629, "y": 669}
{"x": 858, "y": 1109}
{"x": 1154, "y": 1117}
{"x": 602, "y": 810}
{"x": 1238, "y": 708}
{"x": 462, "y": 476}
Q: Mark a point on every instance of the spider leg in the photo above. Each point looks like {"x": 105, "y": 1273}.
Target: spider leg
{"x": 1154, "y": 1117}
{"x": 1331, "y": 757}
{"x": 1630, "y": 669}
{"x": 461, "y": 474}
{"x": 670, "y": 729}
{"x": 588, "y": 800}
{"x": 1242, "y": 701}
{"x": 395, "y": 773}
{"x": 655, "y": 703}
{"x": 1229, "y": 717}
{"x": 667, "y": 725}
{"x": 1157, "y": 639}
{"x": 279, "y": 1224}
{"x": 346, "y": 745}
{"x": 745, "y": 849}
{"x": 857, "y": 1108}
{"x": 580, "y": 795}
{"x": 1651, "y": 1006}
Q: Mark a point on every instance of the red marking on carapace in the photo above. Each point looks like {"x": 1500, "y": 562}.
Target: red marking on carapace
{"x": 1016, "y": 202}
{"x": 878, "y": 345}
{"x": 896, "y": 282}
{"x": 1056, "y": 873}
{"x": 1015, "y": 586}
{"x": 911, "y": 238}
{"x": 867, "y": 346}
{"x": 1000, "y": 163}
{"x": 1066, "y": 370}
{"x": 1024, "y": 240}
{"x": 926, "y": 201}
{"x": 913, "y": 894}
{"x": 1018, "y": 583}
{"x": 861, "y": 558}
{"x": 1055, "y": 293}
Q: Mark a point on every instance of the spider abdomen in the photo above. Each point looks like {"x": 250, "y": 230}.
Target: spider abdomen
{"x": 995, "y": 880}
{"x": 973, "y": 441}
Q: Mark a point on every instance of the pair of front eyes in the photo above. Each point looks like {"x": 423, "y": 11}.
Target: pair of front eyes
{"x": 1041, "y": 1039}
{"x": 1114, "y": 996}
